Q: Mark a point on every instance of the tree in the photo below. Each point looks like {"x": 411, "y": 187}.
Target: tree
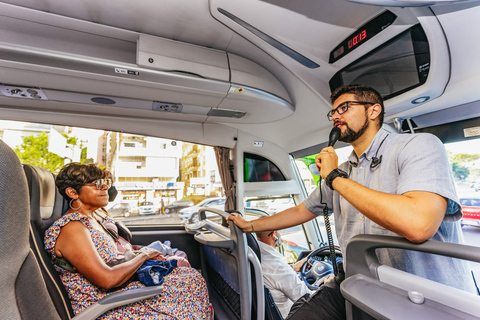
{"x": 464, "y": 157}
{"x": 459, "y": 171}
{"x": 34, "y": 151}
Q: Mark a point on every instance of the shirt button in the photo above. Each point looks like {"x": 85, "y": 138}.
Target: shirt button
{"x": 361, "y": 218}
{"x": 361, "y": 168}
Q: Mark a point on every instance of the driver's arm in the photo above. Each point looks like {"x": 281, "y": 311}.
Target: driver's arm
{"x": 297, "y": 266}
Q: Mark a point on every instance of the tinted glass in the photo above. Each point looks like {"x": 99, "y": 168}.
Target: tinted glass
{"x": 259, "y": 169}
{"x": 396, "y": 67}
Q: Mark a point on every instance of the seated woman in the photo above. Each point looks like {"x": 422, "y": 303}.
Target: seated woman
{"x": 82, "y": 240}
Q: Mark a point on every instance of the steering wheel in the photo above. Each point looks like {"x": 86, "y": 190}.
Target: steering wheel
{"x": 318, "y": 266}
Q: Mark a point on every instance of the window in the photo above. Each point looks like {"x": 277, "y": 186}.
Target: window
{"x": 146, "y": 180}
{"x": 294, "y": 240}
{"x": 465, "y": 159}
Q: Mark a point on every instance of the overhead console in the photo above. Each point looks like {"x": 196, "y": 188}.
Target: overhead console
{"x": 248, "y": 81}
{"x": 75, "y": 61}
{"x": 407, "y": 69}
{"x": 396, "y": 67}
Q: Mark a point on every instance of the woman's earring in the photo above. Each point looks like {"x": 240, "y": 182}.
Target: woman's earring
{"x": 70, "y": 205}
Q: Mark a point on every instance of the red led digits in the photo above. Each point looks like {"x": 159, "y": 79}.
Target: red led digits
{"x": 355, "y": 40}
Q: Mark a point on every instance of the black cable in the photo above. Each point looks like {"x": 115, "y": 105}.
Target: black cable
{"x": 326, "y": 218}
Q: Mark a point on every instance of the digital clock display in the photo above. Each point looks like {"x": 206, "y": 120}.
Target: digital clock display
{"x": 355, "y": 40}
{"x": 362, "y": 35}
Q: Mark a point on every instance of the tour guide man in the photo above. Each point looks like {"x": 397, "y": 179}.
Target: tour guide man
{"x": 392, "y": 184}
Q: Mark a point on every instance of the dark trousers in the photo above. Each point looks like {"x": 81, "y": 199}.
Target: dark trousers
{"x": 327, "y": 303}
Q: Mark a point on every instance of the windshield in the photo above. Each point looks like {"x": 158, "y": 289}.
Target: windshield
{"x": 146, "y": 204}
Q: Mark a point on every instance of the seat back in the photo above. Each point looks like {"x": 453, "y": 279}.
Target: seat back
{"x": 225, "y": 265}
{"x": 46, "y": 206}
{"x": 23, "y": 293}
{"x": 271, "y": 310}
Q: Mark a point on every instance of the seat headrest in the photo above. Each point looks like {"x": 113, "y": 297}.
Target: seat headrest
{"x": 46, "y": 203}
{"x": 44, "y": 182}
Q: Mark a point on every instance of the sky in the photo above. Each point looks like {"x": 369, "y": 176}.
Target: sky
{"x": 469, "y": 147}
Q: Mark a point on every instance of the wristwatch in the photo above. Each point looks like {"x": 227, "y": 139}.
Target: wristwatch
{"x": 334, "y": 174}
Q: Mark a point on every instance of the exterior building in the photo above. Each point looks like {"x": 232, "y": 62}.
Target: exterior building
{"x": 145, "y": 168}
{"x": 13, "y": 132}
{"x": 200, "y": 173}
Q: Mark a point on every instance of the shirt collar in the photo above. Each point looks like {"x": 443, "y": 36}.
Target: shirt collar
{"x": 267, "y": 248}
{"x": 371, "y": 149}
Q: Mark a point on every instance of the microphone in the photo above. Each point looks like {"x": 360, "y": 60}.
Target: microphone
{"x": 334, "y": 136}
{"x": 375, "y": 162}
{"x": 332, "y": 139}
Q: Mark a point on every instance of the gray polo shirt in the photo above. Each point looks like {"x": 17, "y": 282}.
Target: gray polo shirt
{"x": 410, "y": 162}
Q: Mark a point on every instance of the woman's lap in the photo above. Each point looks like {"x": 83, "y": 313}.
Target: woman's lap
{"x": 184, "y": 296}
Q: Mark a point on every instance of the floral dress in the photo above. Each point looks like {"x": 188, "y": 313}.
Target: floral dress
{"x": 184, "y": 294}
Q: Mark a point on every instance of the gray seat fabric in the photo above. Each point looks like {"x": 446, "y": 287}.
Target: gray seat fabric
{"x": 46, "y": 206}
{"x": 23, "y": 293}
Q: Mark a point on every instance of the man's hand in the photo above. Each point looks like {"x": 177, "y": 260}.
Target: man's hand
{"x": 240, "y": 222}
{"x": 326, "y": 161}
{"x": 297, "y": 266}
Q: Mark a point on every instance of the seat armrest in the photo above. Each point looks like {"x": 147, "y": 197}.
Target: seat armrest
{"x": 383, "y": 301}
{"x": 117, "y": 299}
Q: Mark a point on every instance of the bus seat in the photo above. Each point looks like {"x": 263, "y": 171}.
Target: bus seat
{"x": 23, "y": 294}
{"x": 271, "y": 309}
{"x": 232, "y": 269}
{"x": 47, "y": 205}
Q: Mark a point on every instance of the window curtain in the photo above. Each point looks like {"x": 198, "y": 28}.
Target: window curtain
{"x": 225, "y": 168}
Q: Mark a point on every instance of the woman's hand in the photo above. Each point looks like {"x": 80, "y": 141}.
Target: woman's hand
{"x": 152, "y": 254}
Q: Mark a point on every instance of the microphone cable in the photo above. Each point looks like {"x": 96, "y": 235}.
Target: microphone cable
{"x": 333, "y": 138}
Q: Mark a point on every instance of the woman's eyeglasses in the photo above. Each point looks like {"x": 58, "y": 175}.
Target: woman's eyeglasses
{"x": 99, "y": 183}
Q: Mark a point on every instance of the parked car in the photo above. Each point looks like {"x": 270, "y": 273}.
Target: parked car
{"x": 471, "y": 211}
{"x": 120, "y": 210}
{"x": 217, "y": 203}
{"x": 176, "y": 206}
{"x": 476, "y": 186}
{"x": 146, "y": 208}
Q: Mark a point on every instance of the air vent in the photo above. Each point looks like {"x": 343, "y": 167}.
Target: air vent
{"x": 167, "y": 107}
{"x": 22, "y": 92}
{"x": 225, "y": 113}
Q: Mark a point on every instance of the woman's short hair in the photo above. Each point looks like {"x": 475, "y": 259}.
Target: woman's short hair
{"x": 75, "y": 175}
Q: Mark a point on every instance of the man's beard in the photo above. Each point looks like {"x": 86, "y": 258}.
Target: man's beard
{"x": 350, "y": 136}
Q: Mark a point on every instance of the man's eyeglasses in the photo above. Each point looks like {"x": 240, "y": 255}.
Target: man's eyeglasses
{"x": 342, "y": 108}
{"x": 99, "y": 183}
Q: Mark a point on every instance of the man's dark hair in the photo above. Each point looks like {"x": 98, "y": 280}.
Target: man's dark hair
{"x": 362, "y": 93}
{"x": 75, "y": 175}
